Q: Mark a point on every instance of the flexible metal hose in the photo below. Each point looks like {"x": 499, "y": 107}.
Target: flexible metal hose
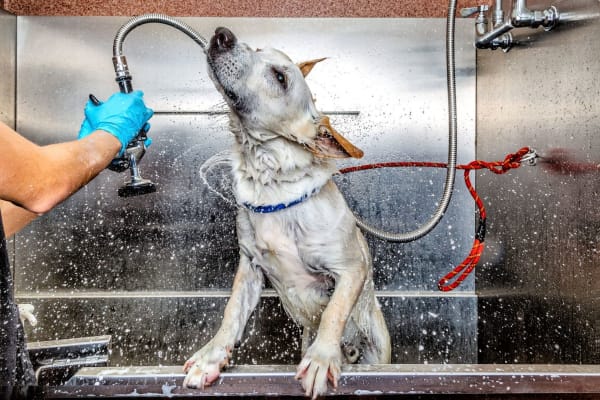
{"x": 452, "y": 135}
{"x": 155, "y": 18}
{"x": 119, "y": 60}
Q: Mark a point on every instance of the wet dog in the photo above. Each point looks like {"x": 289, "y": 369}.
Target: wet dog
{"x": 293, "y": 225}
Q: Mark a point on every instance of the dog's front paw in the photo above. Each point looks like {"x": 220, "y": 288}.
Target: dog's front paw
{"x": 204, "y": 367}
{"x": 321, "y": 363}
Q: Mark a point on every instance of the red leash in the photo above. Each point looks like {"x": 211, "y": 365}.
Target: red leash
{"x": 514, "y": 160}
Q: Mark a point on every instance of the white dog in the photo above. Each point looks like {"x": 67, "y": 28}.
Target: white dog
{"x": 293, "y": 225}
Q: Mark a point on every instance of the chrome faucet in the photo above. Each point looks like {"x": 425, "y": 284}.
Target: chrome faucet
{"x": 523, "y": 17}
{"x": 499, "y": 35}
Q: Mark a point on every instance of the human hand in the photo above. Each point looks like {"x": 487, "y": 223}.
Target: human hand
{"x": 122, "y": 115}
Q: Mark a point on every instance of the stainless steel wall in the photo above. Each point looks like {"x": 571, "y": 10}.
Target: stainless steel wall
{"x": 155, "y": 271}
{"x": 539, "y": 287}
{"x": 8, "y": 58}
{"x": 8, "y": 70}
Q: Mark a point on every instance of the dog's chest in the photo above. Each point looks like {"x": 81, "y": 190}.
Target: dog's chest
{"x": 301, "y": 281}
{"x": 281, "y": 247}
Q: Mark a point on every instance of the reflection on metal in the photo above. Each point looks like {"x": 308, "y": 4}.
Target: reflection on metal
{"x": 55, "y": 361}
{"x": 355, "y": 380}
{"x": 150, "y": 330}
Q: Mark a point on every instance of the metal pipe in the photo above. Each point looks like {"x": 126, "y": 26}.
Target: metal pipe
{"x": 524, "y": 17}
{"x": 520, "y": 13}
{"x": 498, "y": 14}
{"x": 520, "y": 17}
{"x": 452, "y": 140}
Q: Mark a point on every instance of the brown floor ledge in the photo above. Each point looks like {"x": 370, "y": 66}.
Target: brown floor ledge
{"x": 448, "y": 381}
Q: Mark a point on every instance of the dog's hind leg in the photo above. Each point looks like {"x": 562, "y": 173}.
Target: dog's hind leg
{"x": 378, "y": 348}
{"x": 368, "y": 317}
{"x": 205, "y": 365}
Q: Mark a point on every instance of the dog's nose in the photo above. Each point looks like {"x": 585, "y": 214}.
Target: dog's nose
{"x": 224, "y": 39}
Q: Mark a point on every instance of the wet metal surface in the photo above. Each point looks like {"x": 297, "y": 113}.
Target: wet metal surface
{"x": 539, "y": 281}
{"x": 183, "y": 237}
{"x": 167, "y": 328}
{"x": 384, "y": 82}
{"x": 55, "y": 361}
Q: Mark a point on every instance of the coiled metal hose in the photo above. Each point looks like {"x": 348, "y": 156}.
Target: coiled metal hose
{"x": 452, "y": 135}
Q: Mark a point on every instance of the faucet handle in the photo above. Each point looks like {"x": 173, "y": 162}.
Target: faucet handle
{"x": 467, "y": 12}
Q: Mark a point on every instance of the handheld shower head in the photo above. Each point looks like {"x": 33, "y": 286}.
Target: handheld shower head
{"x": 133, "y": 153}
{"x": 137, "y": 148}
{"x": 137, "y": 185}
{"x": 129, "y": 160}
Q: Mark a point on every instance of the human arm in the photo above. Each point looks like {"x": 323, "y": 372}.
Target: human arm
{"x": 14, "y": 217}
{"x": 38, "y": 178}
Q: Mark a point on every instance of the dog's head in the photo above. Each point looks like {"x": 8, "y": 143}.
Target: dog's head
{"x": 268, "y": 93}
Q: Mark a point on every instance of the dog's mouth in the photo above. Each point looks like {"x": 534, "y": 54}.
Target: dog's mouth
{"x": 234, "y": 98}
{"x": 331, "y": 144}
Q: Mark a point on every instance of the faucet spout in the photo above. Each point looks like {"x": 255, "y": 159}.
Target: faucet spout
{"x": 499, "y": 37}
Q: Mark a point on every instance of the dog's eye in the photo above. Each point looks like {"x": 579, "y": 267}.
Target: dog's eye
{"x": 281, "y": 78}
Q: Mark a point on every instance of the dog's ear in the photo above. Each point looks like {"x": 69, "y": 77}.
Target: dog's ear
{"x": 307, "y": 66}
{"x": 330, "y": 144}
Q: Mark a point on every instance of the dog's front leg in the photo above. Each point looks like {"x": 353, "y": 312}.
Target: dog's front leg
{"x": 323, "y": 359}
{"x": 204, "y": 367}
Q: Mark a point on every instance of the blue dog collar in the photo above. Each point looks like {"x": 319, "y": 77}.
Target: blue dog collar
{"x": 278, "y": 207}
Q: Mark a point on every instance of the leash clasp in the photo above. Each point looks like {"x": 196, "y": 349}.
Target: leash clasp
{"x": 530, "y": 158}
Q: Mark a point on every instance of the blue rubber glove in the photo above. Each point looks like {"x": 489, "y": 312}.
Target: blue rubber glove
{"x": 122, "y": 115}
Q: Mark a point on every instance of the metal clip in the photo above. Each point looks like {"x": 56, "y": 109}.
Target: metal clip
{"x": 530, "y": 158}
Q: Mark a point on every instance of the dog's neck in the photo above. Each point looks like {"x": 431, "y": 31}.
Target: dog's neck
{"x": 271, "y": 170}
